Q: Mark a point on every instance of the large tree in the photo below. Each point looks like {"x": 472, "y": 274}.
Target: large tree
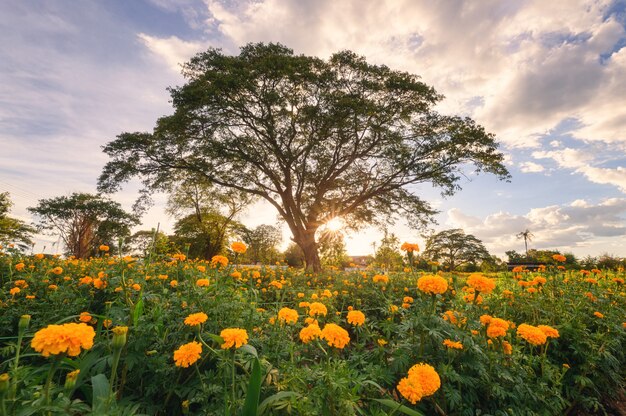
{"x": 453, "y": 248}
{"x": 84, "y": 221}
{"x": 316, "y": 139}
{"x": 12, "y": 230}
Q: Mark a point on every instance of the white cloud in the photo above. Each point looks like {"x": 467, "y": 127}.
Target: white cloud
{"x": 568, "y": 227}
{"x": 531, "y": 167}
{"x": 173, "y": 50}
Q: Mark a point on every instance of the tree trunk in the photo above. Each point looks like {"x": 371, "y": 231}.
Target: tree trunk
{"x": 307, "y": 243}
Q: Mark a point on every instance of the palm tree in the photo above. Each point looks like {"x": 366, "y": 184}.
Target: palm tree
{"x": 527, "y": 236}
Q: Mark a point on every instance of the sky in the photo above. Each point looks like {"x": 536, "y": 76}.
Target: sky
{"x": 547, "y": 78}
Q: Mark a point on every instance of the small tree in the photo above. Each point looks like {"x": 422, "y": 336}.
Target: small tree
{"x": 144, "y": 243}
{"x": 316, "y": 139}
{"x": 388, "y": 255}
{"x": 454, "y": 248}
{"x": 332, "y": 248}
{"x": 84, "y": 221}
{"x": 12, "y": 230}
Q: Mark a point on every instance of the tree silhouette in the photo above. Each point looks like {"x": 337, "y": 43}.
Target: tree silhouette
{"x": 527, "y": 236}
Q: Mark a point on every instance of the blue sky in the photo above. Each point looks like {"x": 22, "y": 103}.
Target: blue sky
{"x": 548, "y": 78}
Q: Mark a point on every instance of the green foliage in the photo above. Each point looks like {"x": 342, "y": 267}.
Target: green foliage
{"x": 263, "y": 242}
{"x": 276, "y": 373}
{"x": 387, "y": 255}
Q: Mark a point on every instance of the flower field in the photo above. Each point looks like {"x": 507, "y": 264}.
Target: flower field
{"x": 125, "y": 336}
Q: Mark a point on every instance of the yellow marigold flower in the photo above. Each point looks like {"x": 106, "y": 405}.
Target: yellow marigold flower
{"x": 233, "y": 337}
{"x": 238, "y": 247}
{"x": 85, "y": 280}
{"x": 356, "y": 318}
{"x": 39, "y": 256}
{"x": 136, "y": 286}
{"x": 432, "y": 284}
{"x": 453, "y": 344}
{"x": 407, "y": 299}
{"x": 549, "y": 331}
{"x": 393, "y": 309}
{"x": 481, "y": 283}
{"x": 450, "y": 316}
{"x": 196, "y": 319}
{"x": 19, "y": 267}
{"x": 507, "y": 293}
{"x": 531, "y": 290}
{"x": 201, "y": 269}
{"x": 104, "y": 248}
{"x": 179, "y": 256}
{"x": 202, "y": 282}
{"x": 410, "y": 389}
{"x": 236, "y": 274}
{"x": 507, "y": 348}
{"x": 598, "y": 314}
{"x": 30, "y": 296}
{"x": 309, "y": 333}
{"x": 14, "y": 291}
{"x": 380, "y": 278}
{"x": 310, "y": 321}
{"x": 485, "y": 319}
{"x": 53, "y": 287}
{"x": 531, "y": 334}
{"x": 57, "y": 270}
{"x": 496, "y": 331}
{"x": 219, "y": 261}
{"x": 317, "y": 308}
{"x": 187, "y": 354}
{"x": 288, "y": 315}
{"x": 382, "y": 342}
{"x": 174, "y": 283}
{"x": 409, "y": 248}
{"x": 335, "y": 336}
{"x": 427, "y": 376}
{"x": 67, "y": 338}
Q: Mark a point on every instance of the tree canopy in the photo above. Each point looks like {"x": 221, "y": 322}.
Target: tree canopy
{"x": 12, "y": 230}
{"x": 453, "y": 248}
{"x": 84, "y": 221}
{"x": 316, "y": 139}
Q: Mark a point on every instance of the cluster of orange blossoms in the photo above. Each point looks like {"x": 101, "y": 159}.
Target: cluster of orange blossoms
{"x": 67, "y": 338}
{"x": 422, "y": 380}
{"x": 408, "y": 247}
{"x": 536, "y": 335}
{"x": 432, "y": 284}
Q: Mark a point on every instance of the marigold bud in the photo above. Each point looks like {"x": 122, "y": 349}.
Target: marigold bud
{"x": 4, "y": 382}
{"x": 23, "y": 323}
{"x": 119, "y": 336}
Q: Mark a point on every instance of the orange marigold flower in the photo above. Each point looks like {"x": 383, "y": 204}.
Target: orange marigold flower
{"x": 196, "y": 319}
{"x": 410, "y": 389}
{"x": 67, "y": 338}
{"x": 85, "y": 280}
{"x": 380, "y": 278}
{"x": 53, "y": 287}
{"x": 233, "y": 337}
{"x": 335, "y": 336}
{"x": 356, "y": 318}
{"x": 453, "y": 344}
{"x": 179, "y": 256}
{"x": 507, "y": 348}
{"x": 238, "y": 247}
{"x": 558, "y": 257}
{"x": 85, "y": 317}
{"x": 202, "y": 282}
{"x": 187, "y": 354}
{"x": 591, "y": 280}
{"x": 104, "y": 248}
{"x": 19, "y": 267}
{"x": 99, "y": 283}
{"x": 531, "y": 334}
{"x": 174, "y": 283}
{"x": 288, "y": 315}
{"x": 485, "y": 319}
{"x": 432, "y": 284}
{"x": 598, "y": 314}
{"x": 427, "y": 377}
{"x": 219, "y": 261}
{"x": 136, "y": 286}
{"x": 39, "y": 256}
{"x": 382, "y": 342}
{"x": 549, "y": 331}
{"x": 408, "y": 247}
{"x": 309, "y": 333}
{"x": 481, "y": 283}
{"x": 57, "y": 270}
{"x": 317, "y": 308}
{"x": 14, "y": 291}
